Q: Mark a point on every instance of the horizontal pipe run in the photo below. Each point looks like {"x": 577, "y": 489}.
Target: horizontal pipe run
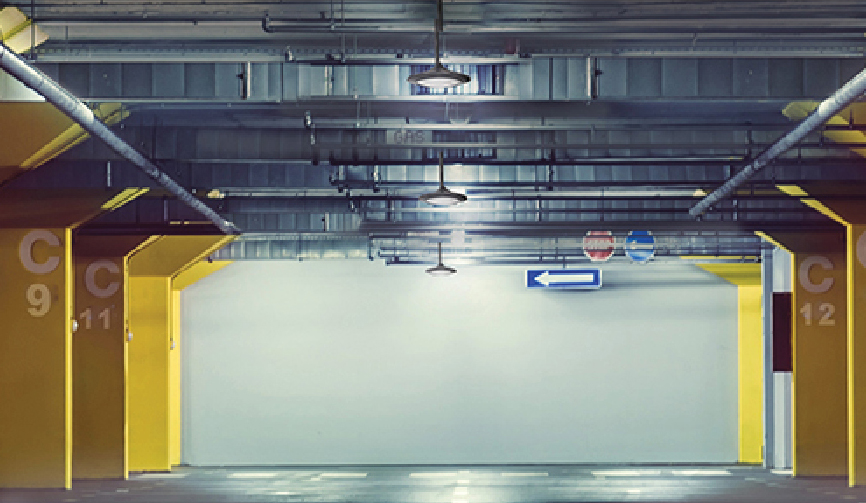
{"x": 607, "y": 161}
{"x": 852, "y": 90}
{"x": 81, "y": 114}
{"x": 557, "y": 229}
{"x": 547, "y": 145}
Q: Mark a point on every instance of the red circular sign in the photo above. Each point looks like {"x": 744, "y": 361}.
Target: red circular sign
{"x": 598, "y": 245}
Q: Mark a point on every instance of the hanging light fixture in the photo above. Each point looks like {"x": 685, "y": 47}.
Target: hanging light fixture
{"x": 441, "y": 269}
{"x": 443, "y": 196}
{"x": 438, "y": 77}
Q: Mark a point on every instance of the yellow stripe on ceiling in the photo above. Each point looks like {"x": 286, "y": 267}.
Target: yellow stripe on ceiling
{"x": 17, "y": 32}
{"x": 36, "y": 132}
{"x": 12, "y": 20}
{"x": 767, "y": 237}
{"x": 171, "y": 255}
{"x": 797, "y": 191}
{"x": 738, "y": 274}
{"x": 197, "y": 271}
{"x": 109, "y": 113}
{"x": 125, "y": 196}
{"x": 798, "y": 110}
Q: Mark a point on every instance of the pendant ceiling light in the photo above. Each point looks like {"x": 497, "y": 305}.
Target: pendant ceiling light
{"x": 441, "y": 269}
{"x": 443, "y": 196}
{"x": 438, "y": 77}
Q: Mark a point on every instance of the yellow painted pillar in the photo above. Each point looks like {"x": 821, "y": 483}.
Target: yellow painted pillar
{"x": 36, "y": 358}
{"x": 856, "y": 255}
{"x": 820, "y": 362}
{"x": 819, "y": 343}
{"x": 99, "y": 356}
{"x": 150, "y": 325}
{"x": 174, "y": 404}
{"x": 154, "y": 363}
{"x": 750, "y": 361}
{"x": 750, "y": 373}
{"x": 848, "y": 208}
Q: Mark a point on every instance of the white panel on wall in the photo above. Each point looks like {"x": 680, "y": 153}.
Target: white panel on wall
{"x": 783, "y": 431}
{"x": 354, "y": 362}
{"x": 781, "y": 270}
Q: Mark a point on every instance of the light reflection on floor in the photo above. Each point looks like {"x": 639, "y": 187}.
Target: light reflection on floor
{"x": 455, "y": 484}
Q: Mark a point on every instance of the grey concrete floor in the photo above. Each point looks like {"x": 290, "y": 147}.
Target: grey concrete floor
{"x": 454, "y": 484}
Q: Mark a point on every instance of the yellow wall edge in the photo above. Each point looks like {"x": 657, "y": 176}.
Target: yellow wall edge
{"x": 750, "y": 372}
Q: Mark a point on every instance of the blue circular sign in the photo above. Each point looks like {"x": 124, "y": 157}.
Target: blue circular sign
{"x": 640, "y": 246}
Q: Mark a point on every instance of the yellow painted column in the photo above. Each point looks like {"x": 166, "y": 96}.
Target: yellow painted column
{"x": 750, "y": 360}
{"x": 150, "y": 326}
{"x": 174, "y": 405}
{"x": 36, "y": 358}
{"x": 750, "y": 373}
{"x": 99, "y": 356}
{"x": 849, "y": 211}
{"x": 856, "y": 255}
{"x": 820, "y": 445}
{"x": 154, "y": 361}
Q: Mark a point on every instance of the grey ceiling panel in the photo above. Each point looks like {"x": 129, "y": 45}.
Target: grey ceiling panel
{"x": 199, "y": 80}
{"x": 168, "y": 80}
{"x": 751, "y": 77}
{"x": 715, "y": 77}
{"x": 105, "y": 79}
{"x": 644, "y": 77}
{"x": 780, "y": 75}
{"x": 137, "y": 80}
{"x": 680, "y": 77}
{"x": 821, "y": 77}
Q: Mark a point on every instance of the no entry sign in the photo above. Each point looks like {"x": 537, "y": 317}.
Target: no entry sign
{"x": 598, "y": 245}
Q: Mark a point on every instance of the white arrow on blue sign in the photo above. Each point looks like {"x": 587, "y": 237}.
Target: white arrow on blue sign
{"x": 589, "y": 278}
{"x": 640, "y": 246}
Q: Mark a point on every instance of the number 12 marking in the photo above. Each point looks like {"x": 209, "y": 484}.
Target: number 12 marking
{"x": 826, "y": 310}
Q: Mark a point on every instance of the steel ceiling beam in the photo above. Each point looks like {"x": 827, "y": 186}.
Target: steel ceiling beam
{"x": 81, "y": 114}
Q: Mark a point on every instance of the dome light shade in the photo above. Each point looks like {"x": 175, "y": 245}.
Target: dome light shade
{"x": 441, "y": 269}
{"x": 439, "y": 77}
{"x": 443, "y": 196}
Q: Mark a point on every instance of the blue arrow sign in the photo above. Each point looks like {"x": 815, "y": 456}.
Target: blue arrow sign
{"x": 564, "y": 278}
{"x": 640, "y": 246}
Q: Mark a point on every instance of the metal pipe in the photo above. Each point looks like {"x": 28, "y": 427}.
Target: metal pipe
{"x": 852, "y": 90}
{"x": 80, "y": 113}
{"x": 476, "y": 161}
{"x": 441, "y": 170}
{"x": 767, "y": 352}
{"x": 437, "y": 27}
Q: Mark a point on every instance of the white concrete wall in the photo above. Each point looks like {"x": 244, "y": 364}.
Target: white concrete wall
{"x": 355, "y": 362}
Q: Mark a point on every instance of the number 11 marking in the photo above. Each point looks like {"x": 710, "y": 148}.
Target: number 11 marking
{"x": 104, "y": 315}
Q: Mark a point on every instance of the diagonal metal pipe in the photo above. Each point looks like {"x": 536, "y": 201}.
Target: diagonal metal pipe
{"x": 80, "y": 113}
{"x": 843, "y": 97}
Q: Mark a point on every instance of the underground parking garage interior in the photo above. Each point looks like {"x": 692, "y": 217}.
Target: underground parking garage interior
{"x": 432, "y": 251}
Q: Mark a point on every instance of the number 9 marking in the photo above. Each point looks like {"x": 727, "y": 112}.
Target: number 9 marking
{"x": 40, "y": 300}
